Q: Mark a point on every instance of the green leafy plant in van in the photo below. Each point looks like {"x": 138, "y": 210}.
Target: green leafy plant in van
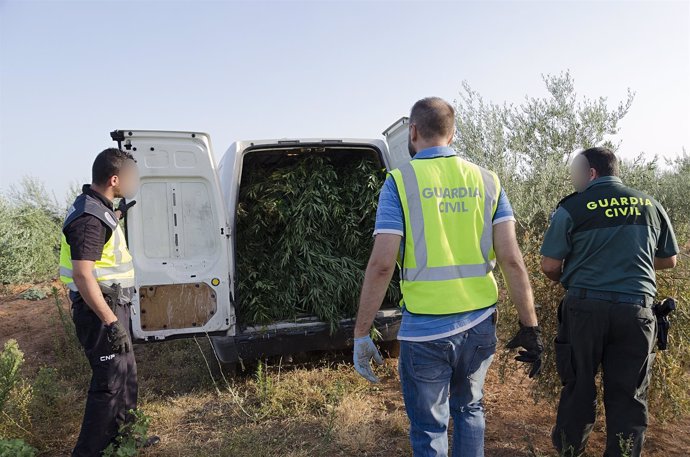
{"x": 304, "y": 234}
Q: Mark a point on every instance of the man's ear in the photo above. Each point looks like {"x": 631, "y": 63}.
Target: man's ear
{"x": 451, "y": 138}
{"x": 593, "y": 174}
{"x": 413, "y": 133}
{"x": 114, "y": 181}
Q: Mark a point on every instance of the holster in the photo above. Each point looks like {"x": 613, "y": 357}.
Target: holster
{"x": 662, "y": 332}
{"x": 115, "y": 295}
{"x": 661, "y": 312}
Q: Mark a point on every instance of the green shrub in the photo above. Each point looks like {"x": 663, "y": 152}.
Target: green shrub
{"x": 11, "y": 359}
{"x": 16, "y": 448}
{"x": 530, "y": 145}
{"x": 30, "y": 222}
{"x": 31, "y": 406}
{"x": 45, "y": 395}
{"x": 131, "y": 437}
{"x": 15, "y": 393}
{"x": 33, "y": 294}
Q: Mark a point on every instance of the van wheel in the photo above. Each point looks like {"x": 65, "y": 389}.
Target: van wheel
{"x": 390, "y": 349}
{"x": 229, "y": 370}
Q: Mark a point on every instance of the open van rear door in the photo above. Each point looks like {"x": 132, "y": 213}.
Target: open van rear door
{"x": 397, "y": 136}
{"x": 178, "y": 236}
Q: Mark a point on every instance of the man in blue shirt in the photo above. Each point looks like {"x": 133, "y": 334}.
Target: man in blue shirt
{"x": 444, "y": 355}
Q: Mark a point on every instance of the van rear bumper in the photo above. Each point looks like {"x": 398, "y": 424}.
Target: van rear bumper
{"x": 295, "y": 337}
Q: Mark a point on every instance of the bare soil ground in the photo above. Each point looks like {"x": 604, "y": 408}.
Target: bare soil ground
{"x": 318, "y": 407}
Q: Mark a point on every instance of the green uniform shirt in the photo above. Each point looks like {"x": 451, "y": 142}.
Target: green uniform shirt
{"x": 608, "y": 236}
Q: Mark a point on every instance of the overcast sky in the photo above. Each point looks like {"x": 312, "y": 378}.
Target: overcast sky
{"x": 70, "y": 72}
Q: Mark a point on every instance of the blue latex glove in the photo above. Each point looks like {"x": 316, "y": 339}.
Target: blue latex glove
{"x": 364, "y": 351}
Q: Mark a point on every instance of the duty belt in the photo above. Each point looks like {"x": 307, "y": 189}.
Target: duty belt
{"x": 615, "y": 297}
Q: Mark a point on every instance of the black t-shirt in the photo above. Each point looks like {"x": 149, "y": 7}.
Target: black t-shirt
{"x": 87, "y": 234}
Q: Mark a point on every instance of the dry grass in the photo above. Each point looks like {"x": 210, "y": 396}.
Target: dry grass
{"x": 318, "y": 408}
{"x": 323, "y": 408}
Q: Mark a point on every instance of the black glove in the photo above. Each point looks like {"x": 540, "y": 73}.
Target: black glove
{"x": 117, "y": 337}
{"x": 528, "y": 338}
{"x": 123, "y": 206}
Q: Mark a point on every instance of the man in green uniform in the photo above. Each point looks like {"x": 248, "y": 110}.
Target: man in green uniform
{"x": 604, "y": 244}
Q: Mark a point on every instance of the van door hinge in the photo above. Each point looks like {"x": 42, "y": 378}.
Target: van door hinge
{"x": 119, "y": 136}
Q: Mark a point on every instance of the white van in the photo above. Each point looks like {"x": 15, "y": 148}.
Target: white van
{"x": 181, "y": 236}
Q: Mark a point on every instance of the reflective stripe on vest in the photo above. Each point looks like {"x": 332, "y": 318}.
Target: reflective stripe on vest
{"x": 422, "y": 272}
{"x": 115, "y": 265}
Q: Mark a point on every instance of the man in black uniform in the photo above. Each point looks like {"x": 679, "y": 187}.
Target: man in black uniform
{"x": 97, "y": 268}
{"x": 604, "y": 244}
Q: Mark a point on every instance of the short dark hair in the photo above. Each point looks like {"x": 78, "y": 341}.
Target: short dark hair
{"x": 434, "y": 117}
{"x": 108, "y": 163}
{"x": 603, "y": 160}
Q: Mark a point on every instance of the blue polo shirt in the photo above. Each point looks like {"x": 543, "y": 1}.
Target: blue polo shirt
{"x": 390, "y": 219}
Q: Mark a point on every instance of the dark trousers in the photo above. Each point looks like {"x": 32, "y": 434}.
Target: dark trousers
{"x": 620, "y": 337}
{"x": 113, "y": 389}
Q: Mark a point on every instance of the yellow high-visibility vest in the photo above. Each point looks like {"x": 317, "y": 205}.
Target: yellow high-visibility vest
{"x": 115, "y": 265}
{"x": 448, "y": 205}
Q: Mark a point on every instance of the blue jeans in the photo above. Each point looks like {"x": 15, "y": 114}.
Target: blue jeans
{"x": 454, "y": 366}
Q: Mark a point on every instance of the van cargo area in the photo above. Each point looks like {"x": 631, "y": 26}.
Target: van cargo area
{"x": 303, "y": 232}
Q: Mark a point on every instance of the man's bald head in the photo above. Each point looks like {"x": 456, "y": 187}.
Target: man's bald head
{"x": 434, "y": 118}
